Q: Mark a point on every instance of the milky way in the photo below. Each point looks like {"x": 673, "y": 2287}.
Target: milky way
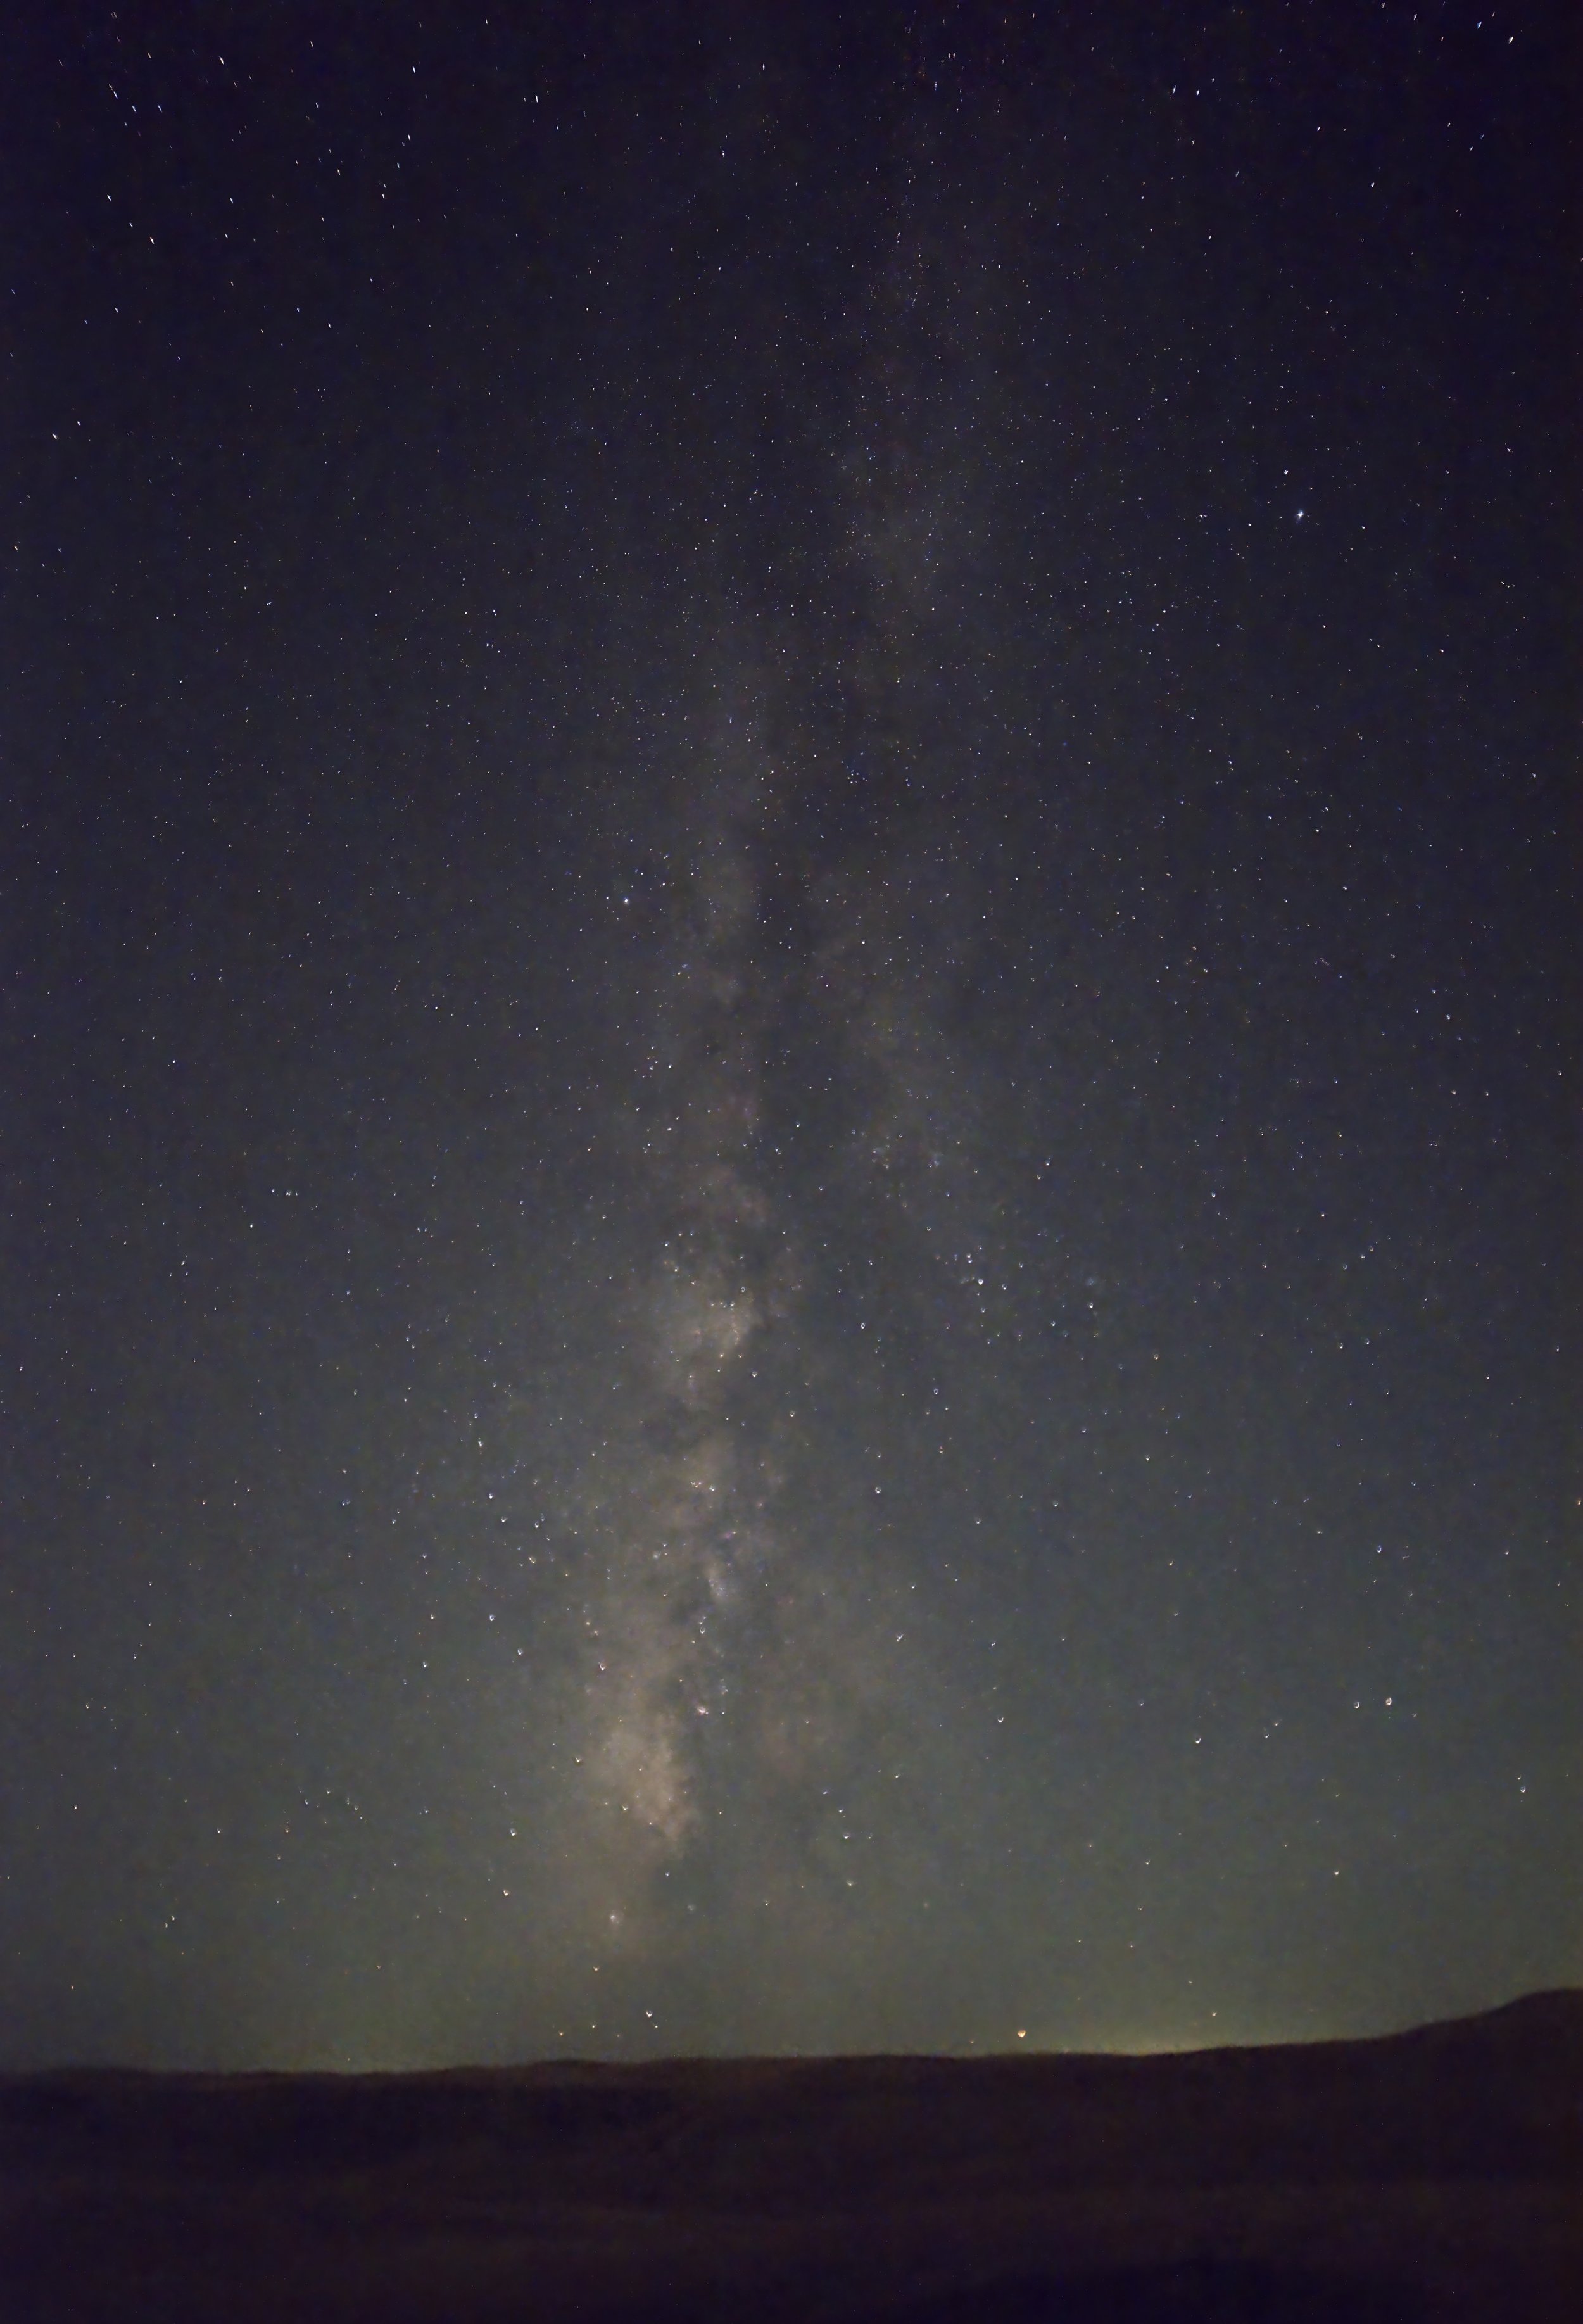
{"x": 748, "y": 1661}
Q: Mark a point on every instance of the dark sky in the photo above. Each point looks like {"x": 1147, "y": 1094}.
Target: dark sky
{"x": 788, "y": 1208}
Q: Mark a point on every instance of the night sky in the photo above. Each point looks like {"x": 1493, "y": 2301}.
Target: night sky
{"x": 789, "y": 1201}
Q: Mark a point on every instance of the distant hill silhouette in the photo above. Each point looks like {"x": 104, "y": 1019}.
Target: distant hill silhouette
{"x": 1436, "y": 2173}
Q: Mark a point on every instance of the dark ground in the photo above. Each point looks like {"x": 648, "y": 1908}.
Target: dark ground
{"x": 1431, "y": 2174}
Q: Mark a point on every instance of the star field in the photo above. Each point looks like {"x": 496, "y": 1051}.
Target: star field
{"x": 788, "y": 1032}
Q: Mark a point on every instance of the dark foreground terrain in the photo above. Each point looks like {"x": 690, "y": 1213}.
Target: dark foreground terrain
{"x": 1431, "y": 2175}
